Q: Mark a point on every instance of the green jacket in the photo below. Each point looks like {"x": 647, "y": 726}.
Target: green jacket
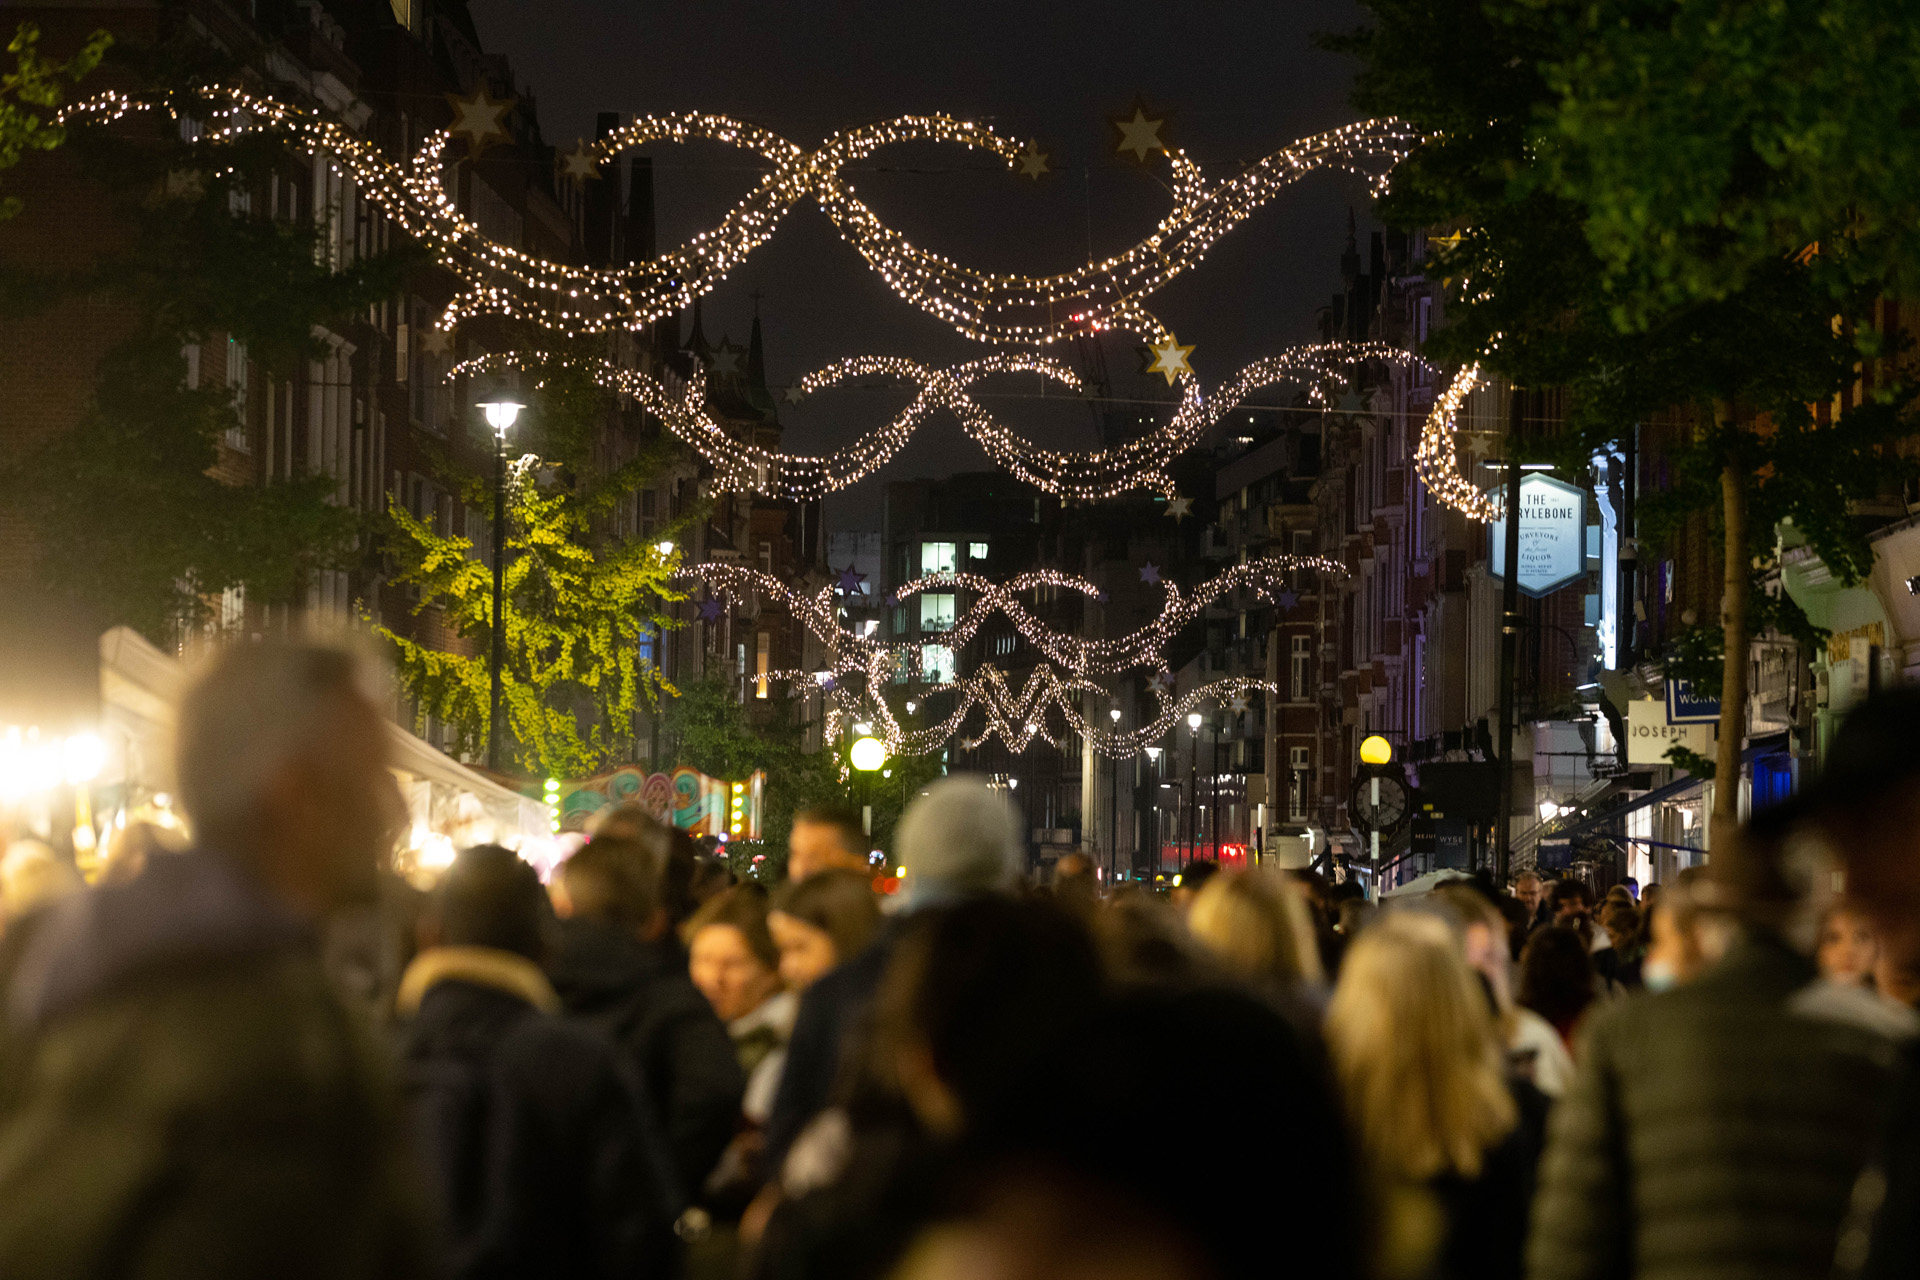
{"x": 181, "y": 1095}
{"x": 1714, "y": 1131}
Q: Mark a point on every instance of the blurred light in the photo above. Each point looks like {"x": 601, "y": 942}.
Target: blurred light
{"x": 1013, "y": 783}
{"x": 910, "y": 707}
{"x": 901, "y": 873}
{"x": 867, "y": 754}
{"x": 1375, "y": 750}
{"x": 501, "y": 414}
{"x": 1193, "y": 721}
{"x": 1115, "y": 713}
{"x": 1153, "y": 754}
{"x": 1548, "y": 809}
{"x": 1176, "y": 881}
{"x": 664, "y": 546}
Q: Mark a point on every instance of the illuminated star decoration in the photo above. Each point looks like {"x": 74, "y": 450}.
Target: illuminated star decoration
{"x": 1180, "y": 508}
{"x": 1349, "y": 403}
{"x": 1169, "y": 359}
{"x": 796, "y": 393}
{"x": 711, "y": 609}
{"x": 1033, "y": 161}
{"x": 850, "y": 582}
{"x": 726, "y": 359}
{"x": 436, "y": 342}
{"x": 1287, "y": 600}
{"x": 480, "y": 119}
{"x": 1479, "y": 444}
{"x": 1140, "y": 134}
{"x": 1237, "y": 704}
{"x": 1149, "y": 572}
{"x": 581, "y": 164}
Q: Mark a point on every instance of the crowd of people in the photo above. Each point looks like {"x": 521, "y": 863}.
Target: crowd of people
{"x": 264, "y": 1055}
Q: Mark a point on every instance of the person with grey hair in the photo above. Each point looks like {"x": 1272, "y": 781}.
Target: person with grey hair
{"x": 959, "y": 839}
{"x": 184, "y": 1095}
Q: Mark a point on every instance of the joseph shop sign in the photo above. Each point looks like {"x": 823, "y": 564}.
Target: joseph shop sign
{"x": 1553, "y": 534}
{"x": 1650, "y": 733}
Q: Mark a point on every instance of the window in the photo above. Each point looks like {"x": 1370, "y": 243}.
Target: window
{"x": 1302, "y": 666}
{"x": 1297, "y": 784}
{"x": 899, "y": 621}
{"x": 766, "y": 557}
{"x": 936, "y": 612}
{"x": 936, "y": 557}
{"x": 976, "y": 551}
{"x": 762, "y": 662}
{"x": 936, "y": 663}
{"x": 237, "y": 383}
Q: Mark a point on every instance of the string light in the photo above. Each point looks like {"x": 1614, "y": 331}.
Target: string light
{"x": 855, "y": 667}
{"x": 1141, "y": 463}
{"x": 1437, "y": 456}
{"x": 989, "y": 307}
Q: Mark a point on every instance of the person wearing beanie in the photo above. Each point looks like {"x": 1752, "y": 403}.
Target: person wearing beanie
{"x": 959, "y": 839}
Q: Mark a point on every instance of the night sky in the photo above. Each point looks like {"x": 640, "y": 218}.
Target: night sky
{"x": 1238, "y": 81}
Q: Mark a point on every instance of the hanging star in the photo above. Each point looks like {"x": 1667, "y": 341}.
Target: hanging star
{"x": 726, "y": 359}
{"x": 1149, "y": 572}
{"x": 1479, "y": 444}
{"x": 1287, "y": 600}
{"x": 1100, "y": 597}
{"x": 436, "y": 342}
{"x": 581, "y": 164}
{"x": 1349, "y": 403}
{"x": 710, "y": 610}
{"x": 1180, "y": 508}
{"x": 850, "y": 581}
{"x": 1169, "y": 359}
{"x": 481, "y": 119}
{"x": 1140, "y": 134}
{"x": 1033, "y": 161}
{"x": 795, "y": 393}
{"x": 1237, "y": 704}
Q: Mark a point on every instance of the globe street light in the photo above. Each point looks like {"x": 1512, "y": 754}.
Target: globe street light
{"x": 501, "y": 405}
{"x": 1113, "y": 806}
{"x": 1153, "y": 770}
{"x": 1193, "y": 781}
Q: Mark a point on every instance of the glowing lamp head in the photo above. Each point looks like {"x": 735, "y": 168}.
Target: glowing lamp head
{"x": 1153, "y": 753}
{"x": 1115, "y": 713}
{"x": 1375, "y": 750}
{"x": 1193, "y": 721}
{"x": 868, "y": 754}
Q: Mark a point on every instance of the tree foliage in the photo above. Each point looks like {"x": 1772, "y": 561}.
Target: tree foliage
{"x": 579, "y": 601}
{"x": 125, "y": 511}
{"x": 1630, "y": 194}
{"x": 31, "y": 91}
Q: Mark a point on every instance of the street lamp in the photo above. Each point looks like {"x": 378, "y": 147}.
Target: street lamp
{"x": 866, "y": 755}
{"x": 1153, "y": 769}
{"x": 1193, "y": 782}
{"x": 1113, "y": 807}
{"x": 502, "y": 405}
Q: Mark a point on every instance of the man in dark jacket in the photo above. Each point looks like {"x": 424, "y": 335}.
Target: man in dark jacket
{"x": 1716, "y": 1129}
{"x": 541, "y": 1144}
{"x": 618, "y": 968}
{"x": 181, "y": 1095}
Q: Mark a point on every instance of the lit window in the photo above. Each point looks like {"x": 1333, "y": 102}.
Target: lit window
{"x": 936, "y": 663}
{"x": 936, "y": 557}
{"x": 976, "y": 551}
{"x": 936, "y": 612}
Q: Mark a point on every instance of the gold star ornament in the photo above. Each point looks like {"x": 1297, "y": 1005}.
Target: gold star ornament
{"x": 1139, "y": 133}
{"x": 1180, "y": 508}
{"x": 481, "y": 119}
{"x": 581, "y": 164}
{"x": 1033, "y": 161}
{"x": 1169, "y": 359}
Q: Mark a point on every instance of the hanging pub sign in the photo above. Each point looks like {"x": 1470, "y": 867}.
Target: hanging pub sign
{"x": 1553, "y": 535}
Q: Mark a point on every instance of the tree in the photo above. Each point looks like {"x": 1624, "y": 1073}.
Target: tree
{"x": 35, "y": 85}
{"x": 1541, "y": 295}
{"x": 579, "y": 600}
{"x": 126, "y": 514}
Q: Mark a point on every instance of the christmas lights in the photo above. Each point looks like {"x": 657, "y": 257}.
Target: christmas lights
{"x": 1034, "y": 310}
{"x": 1436, "y": 457}
{"x": 857, "y": 668}
{"x": 1141, "y": 463}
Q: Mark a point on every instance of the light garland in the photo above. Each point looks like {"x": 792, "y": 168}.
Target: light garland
{"x": 857, "y": 667}
{"x": 987, "y": 307}
{"x": 1437, "y": 456}
{"x": 1141, "y": 463}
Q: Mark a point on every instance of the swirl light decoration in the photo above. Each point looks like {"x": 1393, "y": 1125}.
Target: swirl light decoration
{"x": 1141, "y": 463}
{"x": 857, "y": 668}
{"x": 985, "y": 306}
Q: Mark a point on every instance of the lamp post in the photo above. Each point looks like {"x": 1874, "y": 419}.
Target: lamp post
{"x": 1113, "y": 807}
{"x": 1193, "y": 782}
{"x": 501, "y": 407}
{"x": 1153, "y": 771}
{"x": 867, "y": 755}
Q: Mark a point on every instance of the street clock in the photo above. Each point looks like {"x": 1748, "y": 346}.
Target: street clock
{"x": 1379, "y": 801}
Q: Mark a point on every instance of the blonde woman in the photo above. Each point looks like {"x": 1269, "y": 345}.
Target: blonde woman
{"x": 1423, "y": 1074}
{"x": 1256, "y": 924}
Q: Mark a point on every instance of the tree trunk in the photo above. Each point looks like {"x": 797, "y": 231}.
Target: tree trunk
{"x": 1733, "y": 681}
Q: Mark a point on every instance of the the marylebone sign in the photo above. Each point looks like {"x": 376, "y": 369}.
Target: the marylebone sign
{"x": 1553, "y": 535}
